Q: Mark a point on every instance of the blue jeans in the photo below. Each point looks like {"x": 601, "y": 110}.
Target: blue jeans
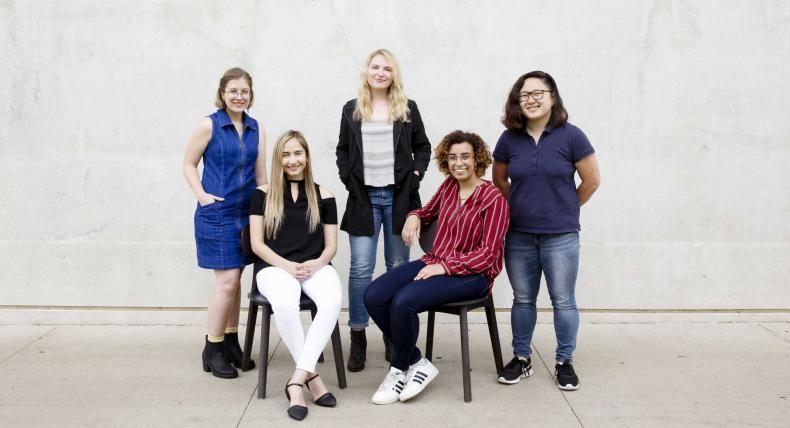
{"x": 527, "y": 255}
{"x": 363, "y": 254}
{"x": 395, "y": 301}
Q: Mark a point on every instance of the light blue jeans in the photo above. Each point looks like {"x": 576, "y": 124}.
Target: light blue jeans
{"x": 363, "y": 255}
{"x": 527, "y": 255}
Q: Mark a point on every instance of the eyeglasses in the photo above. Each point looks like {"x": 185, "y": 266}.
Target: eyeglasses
{"x": 536, "y": 95}
{"x": 233, "y": 93}
{"x": 463, "y": 156}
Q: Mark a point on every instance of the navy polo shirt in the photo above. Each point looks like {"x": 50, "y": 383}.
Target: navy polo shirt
{"x": 542, "y": 189}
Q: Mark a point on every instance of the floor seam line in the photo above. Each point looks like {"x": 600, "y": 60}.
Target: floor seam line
{"x": 254, "y": 393}
{"x": 28, "y": 345}
{"x": 773, "y": 333}
{"x": 562, "y": 393}
{"x": 249, "y": 402}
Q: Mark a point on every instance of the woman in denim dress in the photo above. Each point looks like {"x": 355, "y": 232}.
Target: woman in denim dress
{"x": 229, "y": 142}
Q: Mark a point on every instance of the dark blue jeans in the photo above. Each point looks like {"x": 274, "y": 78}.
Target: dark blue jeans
{"x": 395, "y": 299}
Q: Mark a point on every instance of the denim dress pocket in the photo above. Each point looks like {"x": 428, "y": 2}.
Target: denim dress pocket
{"x": 208, "y": 221}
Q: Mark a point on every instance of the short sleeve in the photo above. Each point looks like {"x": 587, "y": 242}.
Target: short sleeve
{"x": 502, "y": 149}
{"x": 329, "y": 211}
{"x": 580, "y": 146}
{"x": 258, "y": 202}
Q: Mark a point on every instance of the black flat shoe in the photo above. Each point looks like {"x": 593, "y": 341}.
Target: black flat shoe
{"x": 296, "y": 411}
{"x": 326, "y": 400}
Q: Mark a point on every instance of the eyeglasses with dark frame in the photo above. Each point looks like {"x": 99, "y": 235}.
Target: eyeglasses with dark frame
{"x": 536, "y": 95}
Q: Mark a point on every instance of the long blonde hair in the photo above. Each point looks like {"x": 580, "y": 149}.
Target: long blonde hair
{"x": 273, "y": 215}
{"x": 399, "y": 104}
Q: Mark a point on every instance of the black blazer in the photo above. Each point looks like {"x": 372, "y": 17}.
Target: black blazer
{"x": 412, "y": 153}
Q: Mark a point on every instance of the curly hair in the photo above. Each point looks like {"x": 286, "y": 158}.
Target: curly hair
{"x": 482, "y": 154}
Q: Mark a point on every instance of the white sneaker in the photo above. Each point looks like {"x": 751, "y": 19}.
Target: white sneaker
{"x": 420, "y": 374}
{"x": 390, "y": 389}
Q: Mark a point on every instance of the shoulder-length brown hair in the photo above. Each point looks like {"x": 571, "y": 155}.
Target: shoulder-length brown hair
{"x": 233, "y": 74}
{"x": 514, "y": 118}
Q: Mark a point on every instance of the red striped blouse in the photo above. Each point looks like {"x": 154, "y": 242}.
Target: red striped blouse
{"x": 470, "y": 238}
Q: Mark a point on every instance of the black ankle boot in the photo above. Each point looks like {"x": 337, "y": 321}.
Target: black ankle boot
{"x": 387, "y": 350}
{"x": 214, "y": 361}
{"x": 359, "y": 345}
{"x": 232, "y": 350}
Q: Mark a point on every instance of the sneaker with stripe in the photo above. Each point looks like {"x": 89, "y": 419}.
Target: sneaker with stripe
{"x": 517, "y": 368}
{"x": 391, "y": 388}
{"x": 420, "y": 374}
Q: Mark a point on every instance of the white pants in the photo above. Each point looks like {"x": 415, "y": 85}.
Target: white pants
{"x": 283, "y": 292}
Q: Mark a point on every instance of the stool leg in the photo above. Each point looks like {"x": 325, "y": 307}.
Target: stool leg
{"x": 465, "y": 364}
{"x": 313, "y": 311}
{"x": 493, "y": 332}
{"x": 429, "y": 336}
{"x": 337, "y": 349}
{"x": 249, "y": 335}
{"x": 266, "y": 316}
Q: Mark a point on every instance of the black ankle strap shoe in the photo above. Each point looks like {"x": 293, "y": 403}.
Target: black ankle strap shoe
{"x": 296, "y": 411}
{"x": 326, "y": 400}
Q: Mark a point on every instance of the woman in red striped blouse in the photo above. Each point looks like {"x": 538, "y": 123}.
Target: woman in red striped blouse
{"x": 467, "y": 253}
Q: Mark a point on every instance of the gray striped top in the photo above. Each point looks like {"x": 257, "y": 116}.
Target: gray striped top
{"x": 378, "y": 155}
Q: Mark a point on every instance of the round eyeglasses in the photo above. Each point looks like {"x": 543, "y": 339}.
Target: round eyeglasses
{"x": 233, "y": 93}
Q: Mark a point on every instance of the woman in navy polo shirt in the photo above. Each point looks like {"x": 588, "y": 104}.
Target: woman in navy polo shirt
{"x": 535, "y": 161}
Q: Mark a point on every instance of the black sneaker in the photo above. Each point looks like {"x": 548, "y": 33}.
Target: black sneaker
{"x": 515, "y": 370}
{"x": 566, "y": 376}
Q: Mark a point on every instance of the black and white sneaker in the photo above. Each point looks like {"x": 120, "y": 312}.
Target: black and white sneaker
{"x": 390, "y": 389}
{"x": 517, "y": 368}
{"x": 420, "y": 374}
{"x": 566, "y": 376}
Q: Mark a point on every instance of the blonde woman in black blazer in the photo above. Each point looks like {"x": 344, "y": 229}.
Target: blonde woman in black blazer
{"x": 382, "y": 155}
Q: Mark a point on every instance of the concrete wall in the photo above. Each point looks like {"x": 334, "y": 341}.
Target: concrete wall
{"x": 686, "y": 103}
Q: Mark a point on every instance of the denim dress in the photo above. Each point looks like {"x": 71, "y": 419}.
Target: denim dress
{"x": 228, "y": 172}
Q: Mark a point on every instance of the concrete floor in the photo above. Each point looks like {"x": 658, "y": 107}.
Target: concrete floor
{"x": 635, "y": 370}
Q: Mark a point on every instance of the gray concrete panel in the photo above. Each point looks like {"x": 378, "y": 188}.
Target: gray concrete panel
{"x": 685, "y": 103}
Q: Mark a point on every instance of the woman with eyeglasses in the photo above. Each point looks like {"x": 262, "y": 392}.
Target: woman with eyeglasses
{"x": 232, "y": 146}
{"x": 471, "y": 220}
{"x": 535, "y": 161}
{"x": 293, "y": 229}
{"x": 382, "y": 154}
